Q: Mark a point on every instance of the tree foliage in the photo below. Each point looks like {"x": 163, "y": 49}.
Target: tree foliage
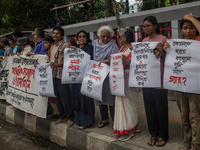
{"x": 25, "y": 13}
{"x": 152, "y": 4}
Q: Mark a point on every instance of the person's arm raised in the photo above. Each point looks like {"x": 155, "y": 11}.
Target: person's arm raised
{"x": 195, "y": 22}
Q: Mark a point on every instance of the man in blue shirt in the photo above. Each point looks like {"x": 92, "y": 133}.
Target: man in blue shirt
{"x": 4, "y": 43}
{"x": 38, "y": 39}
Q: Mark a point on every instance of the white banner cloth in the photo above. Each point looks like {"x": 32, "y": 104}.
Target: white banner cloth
{"x": 22, "y": 89}
{"x": 4, "y": 70}
{"x": 116, "y": 75}
{"x": 182, "y": 66}
{"x": 144, "y": 67}
{"x": 75, "y": 61}
{"x": 45, "y": 80}
{"x": 93, "y": 79}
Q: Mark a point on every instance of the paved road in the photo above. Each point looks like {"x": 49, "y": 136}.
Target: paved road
{"x": 15, "y": 137}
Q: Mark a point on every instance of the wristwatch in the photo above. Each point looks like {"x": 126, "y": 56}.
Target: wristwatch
{"x": 33, "y": 53}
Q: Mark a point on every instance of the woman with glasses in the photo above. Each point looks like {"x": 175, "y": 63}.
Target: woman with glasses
{"x": 103, "y": 48}
{"x": 155, "y": 99}
{"x": 126, "y": 107}
{"x": 83, "y": 105}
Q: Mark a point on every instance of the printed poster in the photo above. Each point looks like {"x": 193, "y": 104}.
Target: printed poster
{"x": 93, "y": 79}
{"x": 144, "y": 67}
{"x": 182, "y": 66}
{"x": 22, "y": 90}
{"x": 45, "y": 80}
{"x": 75, "y": 61}
{"x": 116, "y": 75}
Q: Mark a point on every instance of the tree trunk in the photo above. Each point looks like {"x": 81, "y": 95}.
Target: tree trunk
{"x": 127, "y": 5}
{"x": 109, "y": 8}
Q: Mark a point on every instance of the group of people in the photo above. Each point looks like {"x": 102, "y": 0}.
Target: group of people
{"x": 70, "y": 105}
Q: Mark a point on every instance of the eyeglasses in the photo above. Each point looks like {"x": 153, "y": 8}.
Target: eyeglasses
{"x": 82, "y": 36}
{"x": 147, "y": 26}
{"x": 106, "y": 36}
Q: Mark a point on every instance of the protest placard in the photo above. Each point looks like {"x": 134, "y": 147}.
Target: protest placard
{"x": 22, "y": 89}
{"x": 45, "y": 80}
{"x": 75, "y": 61}
{"x": 182, "y": 66}
{"x": 93, "y": 79}
{"x": 3, "y": 77}
{"x": 144, "y": 67}
{"x": 116, "y": 75}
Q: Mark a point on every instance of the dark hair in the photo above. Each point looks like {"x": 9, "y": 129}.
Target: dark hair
{"x": 73, "y": 43}
{"x": 153, "y": 20}
{"x": 89, "y": 41}
{"x": 87, "y": 36}
{"x": 59, "y": 28}
{"x": 184, "y": 21}
{"x": 17, "y": 33}
{"x": 39, "y": 32}
{"x": 128, "y": 33}
{"x": 27, "y": 39}
{"x": 49, "y": 39}
{"x": 11, "y": 38}
{"x": 4, "y": 40}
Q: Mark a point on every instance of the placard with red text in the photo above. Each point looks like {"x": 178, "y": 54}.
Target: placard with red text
{"x": 116, "y": 75}
{"x": 182, "y": 66}
{"x": 75, "y": 61}
{"x": 22, "y": 89}
{"x": 93, "y": 79}
{"x": 144, "y": 67}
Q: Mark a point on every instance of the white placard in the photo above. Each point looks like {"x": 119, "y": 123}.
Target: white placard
{"x": 75, "y": 61}
{"x": 93, "y": 79}
{"x": 4, "y": 70}
{"x": 22, "y": 89}
{"x": 182, "y": 66}
{"x": 144, "y": 67}
{"x": 116, "y": 75}
{"x": 45, "y": 80}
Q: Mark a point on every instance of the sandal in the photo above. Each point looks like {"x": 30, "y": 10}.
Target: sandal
{"x": 185, "y": 147}
{"x": 103, "y": 124}
{"x": 159, "y": 142}
{"x": 53, "y": 117}
{"x": 152, "y": 139}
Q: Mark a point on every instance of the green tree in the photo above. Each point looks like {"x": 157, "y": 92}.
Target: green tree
{"x": 16, "y": 13}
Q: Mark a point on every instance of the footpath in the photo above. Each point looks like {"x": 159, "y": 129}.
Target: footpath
{"x": 95, "y": 138}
